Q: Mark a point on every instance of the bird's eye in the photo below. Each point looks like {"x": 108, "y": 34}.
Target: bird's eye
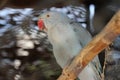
{"x": 48, "y": 15}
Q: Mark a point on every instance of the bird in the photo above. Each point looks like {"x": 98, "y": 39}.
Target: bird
{"x": 68, "y": 38}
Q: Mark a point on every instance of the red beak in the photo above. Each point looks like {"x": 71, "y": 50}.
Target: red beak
{"x": 41, "y": 24}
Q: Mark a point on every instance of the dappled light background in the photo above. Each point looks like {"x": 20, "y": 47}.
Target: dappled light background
{"x": 25, "y": 52}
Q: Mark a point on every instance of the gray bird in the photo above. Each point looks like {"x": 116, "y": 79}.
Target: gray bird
{"x": 68, "y": 38}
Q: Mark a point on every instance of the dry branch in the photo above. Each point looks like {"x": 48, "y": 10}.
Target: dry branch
{"x": 99, "y": 42}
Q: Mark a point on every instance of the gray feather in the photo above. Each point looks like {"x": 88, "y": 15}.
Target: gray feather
{"x": 68, "y": 38}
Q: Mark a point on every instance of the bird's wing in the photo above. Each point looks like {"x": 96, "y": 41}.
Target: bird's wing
{"x": 84, "y": 37}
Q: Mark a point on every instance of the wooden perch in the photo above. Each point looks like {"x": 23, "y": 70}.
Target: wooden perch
{"x": 99, "y": 42}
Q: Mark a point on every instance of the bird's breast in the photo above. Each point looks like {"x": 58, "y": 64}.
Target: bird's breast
{"x": 65, "y": 51}
{"x": 65, "y": 44}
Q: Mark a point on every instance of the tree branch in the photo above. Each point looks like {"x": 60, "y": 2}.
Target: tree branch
{"x": 98, "y": 43}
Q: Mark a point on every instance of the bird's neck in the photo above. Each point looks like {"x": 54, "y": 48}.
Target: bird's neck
{"x": 58, "y": 33}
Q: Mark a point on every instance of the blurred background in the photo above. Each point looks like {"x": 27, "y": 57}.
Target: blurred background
{"x": 25, "y": 52}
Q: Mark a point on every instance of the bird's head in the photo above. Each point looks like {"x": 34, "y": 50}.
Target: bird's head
{"x": 50, "y": 19}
